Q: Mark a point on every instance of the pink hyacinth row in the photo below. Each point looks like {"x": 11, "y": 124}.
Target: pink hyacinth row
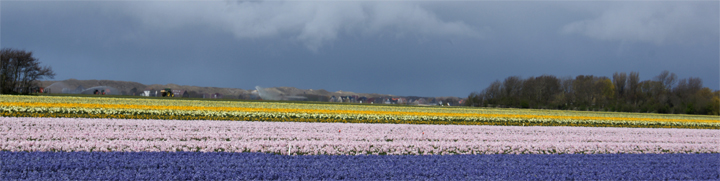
{"x": 74, "y": 134}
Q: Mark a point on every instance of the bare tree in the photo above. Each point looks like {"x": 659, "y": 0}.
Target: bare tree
{"x": 566, "y": 84}
{"x": 550, "y": 85}
{"x": 633, "y": 83}
{"x": 19, "y": 71}
{"x": 619, "y": 79}
{"x": 584, "y": 89}
{"x": 566, "y": 98}
{"x": 492, "y": 93}
{"x": 529, "y": 93}
{"x": 694, "y": 84}
{"x": 475, "y": 99}
{"x": 667, "y": 79}
{"x": 512, "y": 87}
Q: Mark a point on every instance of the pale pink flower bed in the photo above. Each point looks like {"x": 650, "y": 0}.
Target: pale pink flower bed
{"x": 72, "y": 134}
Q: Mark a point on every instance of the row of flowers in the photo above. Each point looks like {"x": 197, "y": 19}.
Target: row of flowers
{"x": 197, "y": 110}
{"x": 192, "y": 104}
{"x": 260, "y": 166}
{"x": 76, "y": 134}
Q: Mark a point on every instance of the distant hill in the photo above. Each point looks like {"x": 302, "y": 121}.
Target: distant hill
{"x": 285, "y": 93}
{"x": 135, "y": 88}
{"x": 74, "y": 84}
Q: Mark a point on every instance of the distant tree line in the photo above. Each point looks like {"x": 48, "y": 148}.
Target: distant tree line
{"x": 20, "y": 71}
{"x": 623, "y": 93}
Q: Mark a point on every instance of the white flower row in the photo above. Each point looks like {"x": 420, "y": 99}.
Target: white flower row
{"x": 76, "y": 134}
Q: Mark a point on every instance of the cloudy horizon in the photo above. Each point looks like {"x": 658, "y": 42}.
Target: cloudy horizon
{"x": 407, "y": 48}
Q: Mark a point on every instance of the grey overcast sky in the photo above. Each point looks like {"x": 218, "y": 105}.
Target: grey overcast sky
{"x": 420, "y": 48}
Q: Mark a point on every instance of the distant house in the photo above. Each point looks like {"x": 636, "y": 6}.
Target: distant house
{"x": 422, "y": 101}
{"x": 415, "y": 102}
{"x": 216, "y": 96}
{"x": 395, "y": 100}
{"x": 401, "y": 100}
{"x": 362, "y": 99}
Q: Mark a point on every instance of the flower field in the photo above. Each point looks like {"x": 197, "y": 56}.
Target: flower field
{"x": 81, "y": 138}
{"x": 296, "y": 138}
{"x": 257, "y": 166}
{"x": 126, "y": 108}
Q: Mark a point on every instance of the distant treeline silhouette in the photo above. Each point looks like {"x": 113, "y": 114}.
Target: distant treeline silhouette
{"x": 623, "y": 93}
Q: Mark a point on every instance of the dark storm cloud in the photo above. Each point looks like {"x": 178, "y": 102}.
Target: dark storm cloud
{"x": 402, "y": 48}
{"x": 311, "y": 23}
{"x": 658, "y": 22}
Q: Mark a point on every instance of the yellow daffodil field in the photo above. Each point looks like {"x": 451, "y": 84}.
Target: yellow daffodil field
{"x": 178, "y": 109}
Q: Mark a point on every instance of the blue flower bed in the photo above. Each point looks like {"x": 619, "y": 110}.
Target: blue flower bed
{"x": 244, "y": 166}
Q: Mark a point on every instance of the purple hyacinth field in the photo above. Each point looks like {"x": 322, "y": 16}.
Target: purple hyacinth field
{"x": 75, "y": 148}
{"x": 263, "y": 166}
